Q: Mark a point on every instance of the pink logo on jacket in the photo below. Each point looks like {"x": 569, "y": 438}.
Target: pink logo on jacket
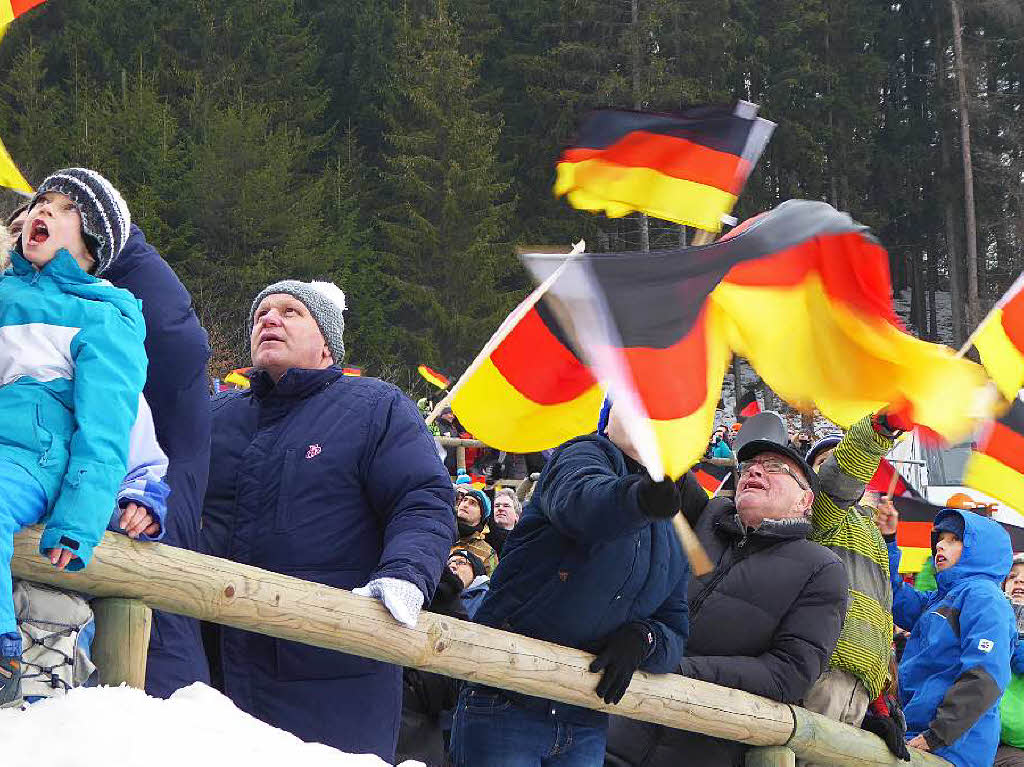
{"x": 313, "y": 452}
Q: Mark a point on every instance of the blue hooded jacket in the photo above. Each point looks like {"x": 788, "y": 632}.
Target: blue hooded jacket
{"x": 957, "y": 661}
{"x": 72, "y": 365}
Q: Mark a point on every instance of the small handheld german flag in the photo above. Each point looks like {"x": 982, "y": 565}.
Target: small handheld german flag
{"x": 440, "y": 380}
{"x": 996, "y": 467}
{"x": 352, "y": 371}
{"x": 688, "y": 167}
{"x": 1000, "y": 341}
{"x": 748, "y": 405}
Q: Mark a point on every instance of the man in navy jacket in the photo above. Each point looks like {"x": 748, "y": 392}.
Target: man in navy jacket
{"x": 594, "y": 563}
{"x": 178, "y": 393}
{"x": 332, "y": 479}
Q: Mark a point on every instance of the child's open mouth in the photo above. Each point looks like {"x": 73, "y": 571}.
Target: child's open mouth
{"x": 38, "y": 234}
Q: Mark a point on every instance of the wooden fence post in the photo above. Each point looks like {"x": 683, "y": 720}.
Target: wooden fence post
{"x": 122, "y": 641}
{"x": 771, "y": 756}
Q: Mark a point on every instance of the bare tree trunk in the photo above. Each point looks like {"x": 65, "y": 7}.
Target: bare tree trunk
{"x": 931, "y": 281}
{"x": 971, "y": 224}
{"x": 737, "y": 386}
{"x": 645, "y": 225}
{"x": 956, "y": 299}
{"x": 682, "y": 236}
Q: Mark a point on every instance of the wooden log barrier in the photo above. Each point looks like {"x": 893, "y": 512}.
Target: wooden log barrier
{"x": 246, "y": 597}
{"x": 122, "y": 640}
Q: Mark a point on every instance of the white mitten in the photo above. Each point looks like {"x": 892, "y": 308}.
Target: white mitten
{"x": 403, "y": 600}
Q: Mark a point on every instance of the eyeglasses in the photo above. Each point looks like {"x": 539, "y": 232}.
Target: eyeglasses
{"x": 772, "y": 467}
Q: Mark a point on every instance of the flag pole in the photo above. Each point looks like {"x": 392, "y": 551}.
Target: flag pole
{"x": 502, "y": 332}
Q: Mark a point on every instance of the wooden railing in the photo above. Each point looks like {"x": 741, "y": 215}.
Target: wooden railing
{"x": 246, "y": 597}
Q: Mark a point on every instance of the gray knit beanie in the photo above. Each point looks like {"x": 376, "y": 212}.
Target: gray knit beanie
{"x": 325, "y": 302}
{"x": 105, "y": 217}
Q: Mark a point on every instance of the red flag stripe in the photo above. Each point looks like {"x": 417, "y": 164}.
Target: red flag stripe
{"x": 540, "y": 366}
{"x": 859, "y": 280}
{"x": 20, "y": 6}
{"x": 685, "y": 391}
{"x": 1005, "y": 445}
{"x": 673, "y": 156}
{"x": 1013, "y": 320}
{"x": 914, "y": 534}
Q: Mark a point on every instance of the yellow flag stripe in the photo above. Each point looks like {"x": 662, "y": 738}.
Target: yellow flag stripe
{"x": 598, "y": 185}
{"x": 912, "y": 559}
{"x": 6, "y": 14}
{"x": 993, "y": 478}
{"x": 805, "y": 346}
{"x": 496, "y": 412}
{"x": 10, "y": 176}
{"x": 1003, "y": 361}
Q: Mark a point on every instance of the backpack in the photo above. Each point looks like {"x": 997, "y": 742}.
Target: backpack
{"x": 56, "y": 633}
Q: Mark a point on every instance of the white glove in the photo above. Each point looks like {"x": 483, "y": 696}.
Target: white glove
{"x": 403, "y": 600}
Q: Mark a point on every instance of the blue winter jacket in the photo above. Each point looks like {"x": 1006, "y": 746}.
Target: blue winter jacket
{"x": 583, "y": 560}
{"x": 957, "y": 661}
{"x": 178, "y": 392}
{"x": 333, "y": 479}
{"x": 72, "y": 366}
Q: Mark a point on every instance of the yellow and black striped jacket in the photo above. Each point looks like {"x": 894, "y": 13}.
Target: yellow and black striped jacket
{"x": 866, "y": 639}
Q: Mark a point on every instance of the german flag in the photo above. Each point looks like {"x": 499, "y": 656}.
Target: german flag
{"x": 239, "y": 377}
{"x": 914, "y": 531}
{"x": 527, "y": 390}
{"x": 888, "y": 481}
{"x": 747, "y": 405}
{"x": 352, "y": 371}
{"x": 711, "y": 476}
{"x": 1000, "y": 341}
{"x": 996, "y": 466}
{"x": 687, "y": 167}
{"x": 809, "y": 307}
{"x": 438, "y": 379}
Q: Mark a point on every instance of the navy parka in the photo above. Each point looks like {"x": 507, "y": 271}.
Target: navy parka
{"x": 178, "y": 392}
{"x": 584, "y": 560}
{"x": 332, "y": 479}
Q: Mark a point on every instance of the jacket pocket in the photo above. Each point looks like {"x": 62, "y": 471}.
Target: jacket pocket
{"x": 44, "y": 440}
{"x": 284, "y": 517}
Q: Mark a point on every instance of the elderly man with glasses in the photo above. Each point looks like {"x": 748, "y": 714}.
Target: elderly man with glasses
{"x": 768, "y": 617}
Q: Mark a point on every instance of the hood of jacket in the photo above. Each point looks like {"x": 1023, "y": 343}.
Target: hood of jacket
{"x": 74, "y": 280}
{"x": 987, "y": 551}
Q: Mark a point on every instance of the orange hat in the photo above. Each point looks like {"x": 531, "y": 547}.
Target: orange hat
{"x": 961, "y": 501}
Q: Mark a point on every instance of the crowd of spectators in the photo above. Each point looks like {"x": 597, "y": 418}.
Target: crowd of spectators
{"x": 338, "y": 480}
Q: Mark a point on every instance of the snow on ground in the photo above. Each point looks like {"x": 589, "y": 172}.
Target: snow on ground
{"x": 123, "y": 727}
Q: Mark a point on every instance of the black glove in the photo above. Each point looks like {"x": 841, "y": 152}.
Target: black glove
{"x": 624, "y": 651}
{"x": 658, "y": 500}
{"x": 889, "y": 729}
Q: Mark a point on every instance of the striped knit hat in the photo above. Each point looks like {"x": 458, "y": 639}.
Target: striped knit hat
{"x": 325, "y": 301}
{"x": 105, "y": 216}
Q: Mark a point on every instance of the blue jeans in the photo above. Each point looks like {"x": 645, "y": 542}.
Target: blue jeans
{"x": 490, "y": 730}
{"x": 22, "y": 503}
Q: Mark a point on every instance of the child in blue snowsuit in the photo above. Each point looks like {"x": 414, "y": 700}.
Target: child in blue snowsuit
{"x": 957, "y": 661}
{"x": 72, "y": 368}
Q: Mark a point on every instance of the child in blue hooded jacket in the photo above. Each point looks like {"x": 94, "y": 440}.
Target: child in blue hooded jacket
{"x": 72, "y": 368}
{"x": 956, "y": 664}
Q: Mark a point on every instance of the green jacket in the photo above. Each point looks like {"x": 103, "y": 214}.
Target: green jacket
{"x": 866, "y": 639}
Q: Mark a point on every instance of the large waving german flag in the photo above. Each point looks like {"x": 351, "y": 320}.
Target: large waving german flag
{"x": 996, "y": 466}
{"x": 809, "y": 307}
{"x": 12, "y": 9}
{"x": 527, "y": 390}
{"x": 1000, "y": 341}
{"x": 688, "y": 167}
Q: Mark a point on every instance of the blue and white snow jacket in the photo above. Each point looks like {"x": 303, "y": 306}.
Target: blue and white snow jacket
{"x": 956, "y": 665}
{"x": 72, "y": 368}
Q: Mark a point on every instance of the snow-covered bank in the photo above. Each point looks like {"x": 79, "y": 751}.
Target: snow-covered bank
{"x": 122, "y": 727}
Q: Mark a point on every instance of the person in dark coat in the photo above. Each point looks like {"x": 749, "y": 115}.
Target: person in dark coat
{"x": 766, "y": 619}
{"x": 594, "y": 564}
{"x": 178, "y": 393}
{"x": 333, "y": 479}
